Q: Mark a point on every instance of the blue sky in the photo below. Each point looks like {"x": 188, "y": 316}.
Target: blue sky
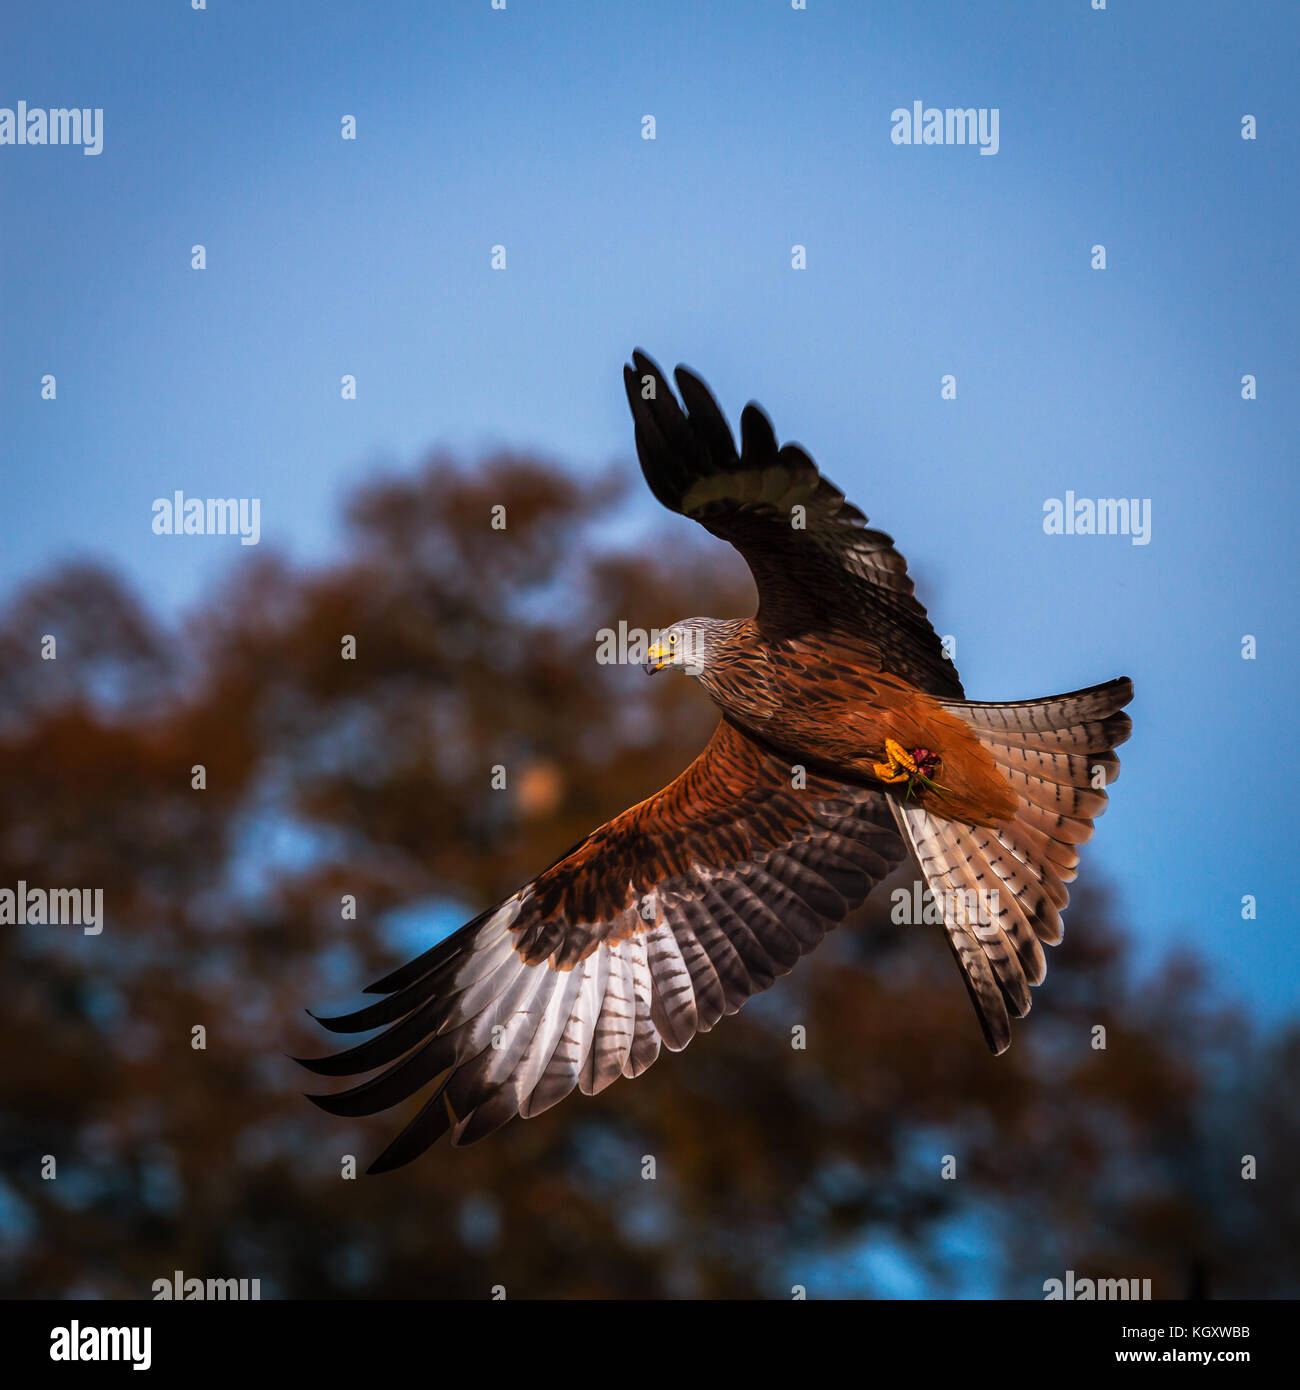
{"x": 523, "y": 128}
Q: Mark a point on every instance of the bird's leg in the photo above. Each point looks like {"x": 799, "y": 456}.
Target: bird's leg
{"x": 916, "y": 766}
{"x": 901, "y": 764}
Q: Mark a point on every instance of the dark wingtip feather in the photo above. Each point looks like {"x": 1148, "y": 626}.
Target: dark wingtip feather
{"x": 664, "y": 443}
{"x": 643, "y": 365}
{"x": 707, "y": 423}
{"x": 427, "y": 961}
{"x": 313, "y": 1064}
{"x": 350, "y": 1104}
{"x": 386, "y": 1010}
{"x": 430, "y": 1124}
{"x": 757, "y": 437}
{"x": 323, "y": 1103}
{"x": 700, "y": 401}
{"x": 336, "y": 1064}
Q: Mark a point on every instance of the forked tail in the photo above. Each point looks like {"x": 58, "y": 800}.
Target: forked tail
{"x": 1001, "y": 890}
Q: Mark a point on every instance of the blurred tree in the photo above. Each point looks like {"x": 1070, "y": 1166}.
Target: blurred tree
{"x": 775, "y": 1165}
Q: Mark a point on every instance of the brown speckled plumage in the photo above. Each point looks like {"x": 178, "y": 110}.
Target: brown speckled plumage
{"x": 676, "y": 911}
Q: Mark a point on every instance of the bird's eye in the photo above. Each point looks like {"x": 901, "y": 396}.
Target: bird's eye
{"x": 672, "y": 639}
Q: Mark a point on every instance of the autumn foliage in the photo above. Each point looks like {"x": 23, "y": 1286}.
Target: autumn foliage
{"x": 775, "y": 1165}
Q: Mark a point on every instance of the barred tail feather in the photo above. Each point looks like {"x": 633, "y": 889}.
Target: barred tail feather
{"x": 1057, "y": 754}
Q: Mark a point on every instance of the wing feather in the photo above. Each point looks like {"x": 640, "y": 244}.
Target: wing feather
{"x": 650, "y": 931}
{"x": 831, "y": 570}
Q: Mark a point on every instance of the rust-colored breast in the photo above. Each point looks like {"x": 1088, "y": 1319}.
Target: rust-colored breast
{"x": 825, "y": 699}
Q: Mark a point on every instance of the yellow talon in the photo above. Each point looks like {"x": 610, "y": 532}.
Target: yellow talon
{"x": 899, "y": 756}
{"x": 914, "y": 768}
{"x": 901, "y": 764}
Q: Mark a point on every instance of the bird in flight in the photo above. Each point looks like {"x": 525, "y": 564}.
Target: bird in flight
{"x": 845, "y": 740}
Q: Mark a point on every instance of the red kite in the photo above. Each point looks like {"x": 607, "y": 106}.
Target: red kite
{"x": 845, "y": 739}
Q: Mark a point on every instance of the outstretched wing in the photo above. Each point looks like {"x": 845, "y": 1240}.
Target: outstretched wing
{"x": 649, "y": 931}
{"x": 821, "y": 567}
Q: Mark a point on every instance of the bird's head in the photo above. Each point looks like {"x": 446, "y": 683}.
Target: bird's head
{"x": 687, "y": 644}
